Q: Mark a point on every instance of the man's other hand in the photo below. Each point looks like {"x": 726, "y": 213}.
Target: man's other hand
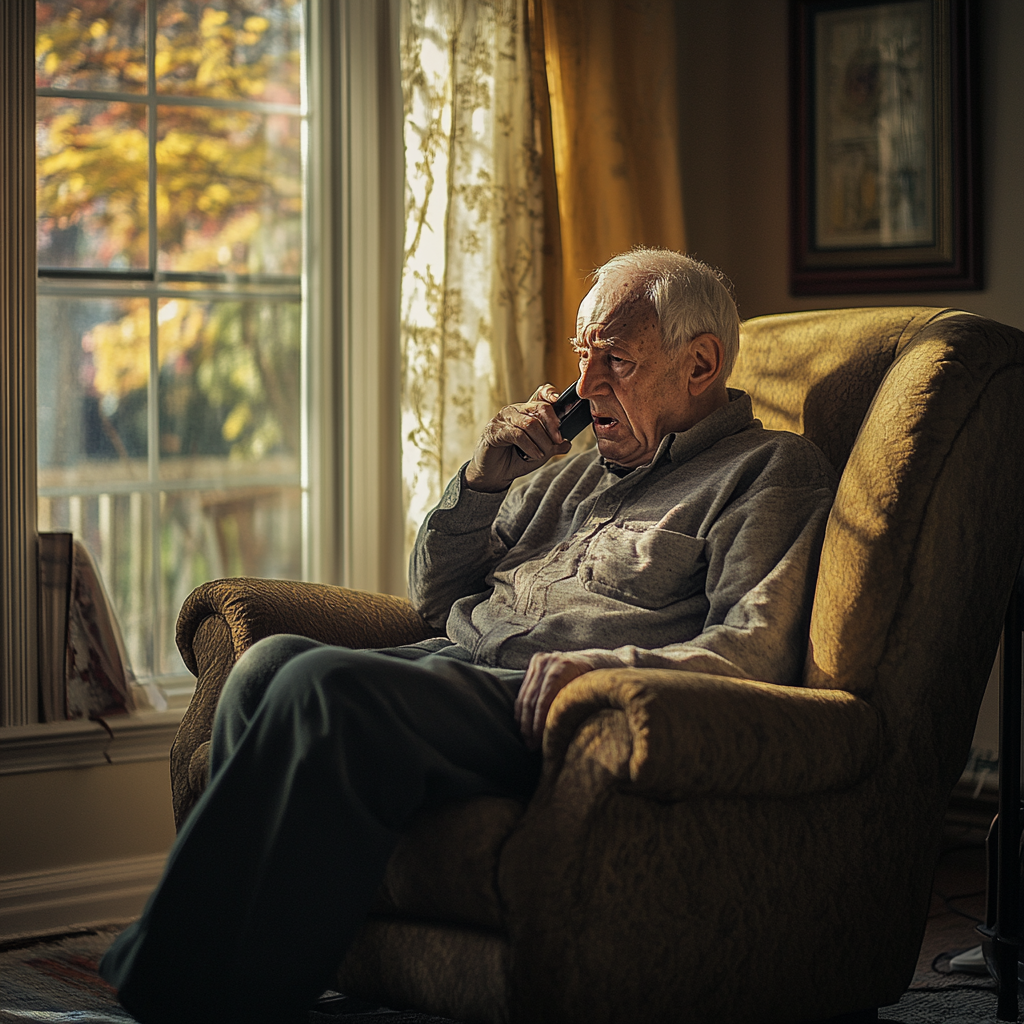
{"x": 520, "y": 439}
{"x": 546, "y": 676}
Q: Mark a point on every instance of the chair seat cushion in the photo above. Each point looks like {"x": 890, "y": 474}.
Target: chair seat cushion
{"x": 445, "y": 867}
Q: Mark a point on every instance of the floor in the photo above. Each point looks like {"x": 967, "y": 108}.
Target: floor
{"x": 958, "y": 895}
{"x": 958, "y": 904}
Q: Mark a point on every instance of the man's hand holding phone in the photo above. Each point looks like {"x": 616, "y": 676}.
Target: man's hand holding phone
{"x": 523, "y": 437}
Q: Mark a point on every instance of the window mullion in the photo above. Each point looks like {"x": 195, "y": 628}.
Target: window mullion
{"x": 153, "y": 454}
{"x": 112, "y": 95}
{"x": 153, "y": 408}
{"x": 151, "y": 128}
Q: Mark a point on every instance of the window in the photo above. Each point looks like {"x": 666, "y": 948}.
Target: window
{"x": 348, "y": 478}
{"x": 170, "y": 323}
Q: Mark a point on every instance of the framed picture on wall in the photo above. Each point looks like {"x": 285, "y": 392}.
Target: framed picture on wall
{"x": 883, "y": 123}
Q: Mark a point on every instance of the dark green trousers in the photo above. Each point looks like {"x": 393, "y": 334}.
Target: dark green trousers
{"x": 320, "y": 756}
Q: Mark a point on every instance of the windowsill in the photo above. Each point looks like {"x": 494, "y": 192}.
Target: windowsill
{"x": 141, "y": 736}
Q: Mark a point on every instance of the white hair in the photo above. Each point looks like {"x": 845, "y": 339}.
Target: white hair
{"x": 689, "y": 297}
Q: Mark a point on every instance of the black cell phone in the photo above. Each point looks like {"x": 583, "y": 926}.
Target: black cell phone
{"x": 573, "y": 413}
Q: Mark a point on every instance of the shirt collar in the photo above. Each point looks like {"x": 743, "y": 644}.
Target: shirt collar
{"x": 736, "y": 415}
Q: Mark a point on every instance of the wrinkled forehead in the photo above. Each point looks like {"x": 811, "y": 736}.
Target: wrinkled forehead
{"x": 616, "y": 307}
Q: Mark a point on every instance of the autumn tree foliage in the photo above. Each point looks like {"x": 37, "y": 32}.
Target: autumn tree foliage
{"x": 226, "y": 205}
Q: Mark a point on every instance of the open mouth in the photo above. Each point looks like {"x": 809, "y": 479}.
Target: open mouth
{"x": 604, "y": 422}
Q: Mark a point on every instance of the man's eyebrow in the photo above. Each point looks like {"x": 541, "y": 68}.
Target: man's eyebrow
{"x": 581, "y": 346}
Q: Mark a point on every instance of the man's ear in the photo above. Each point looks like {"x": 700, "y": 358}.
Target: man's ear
{"x": 708, "y": 360}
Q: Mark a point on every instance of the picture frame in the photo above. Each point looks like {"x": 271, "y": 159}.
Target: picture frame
{"x": 885, "y": 165}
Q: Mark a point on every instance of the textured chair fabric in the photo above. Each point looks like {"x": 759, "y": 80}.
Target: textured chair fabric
{"x": 220, "y": 620}
{"x": 707, "y": 849}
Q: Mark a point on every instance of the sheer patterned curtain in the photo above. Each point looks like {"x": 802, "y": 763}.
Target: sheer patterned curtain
{"x": 472, "y": 304}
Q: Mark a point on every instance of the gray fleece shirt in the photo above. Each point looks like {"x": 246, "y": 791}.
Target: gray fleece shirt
{"x": 704, "y": 559}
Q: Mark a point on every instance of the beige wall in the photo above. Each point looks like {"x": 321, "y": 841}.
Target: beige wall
{"x": 733, "y": 72}
{"x": 59, "y": 819}
{"x": 734, "y": 123}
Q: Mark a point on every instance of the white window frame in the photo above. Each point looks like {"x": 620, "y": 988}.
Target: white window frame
{"x": 351, "y": 462}
{"x": 357, "y": 175}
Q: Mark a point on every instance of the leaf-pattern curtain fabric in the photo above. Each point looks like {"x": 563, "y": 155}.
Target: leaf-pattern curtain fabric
{"x": 472, "y": 304}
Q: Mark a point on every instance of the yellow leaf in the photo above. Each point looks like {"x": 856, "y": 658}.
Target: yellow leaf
{"x": 218, "y": 192}
{"x": 236, "y": 422}
{"x": 207, "y": 71}
{"x": 121, "y": 352}
{"x": 255, "y": 24}
{"x": 212, "y": 20}
{"x": 98, "y": 29}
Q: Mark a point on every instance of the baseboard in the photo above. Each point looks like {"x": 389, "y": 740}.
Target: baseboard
{"x": 41, "y": 902}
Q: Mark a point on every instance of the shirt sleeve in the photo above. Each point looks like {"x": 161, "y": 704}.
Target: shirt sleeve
{"x": 454, "y": 550}
{"x": 465, "y": 536}
{"x": 763, "y": 556}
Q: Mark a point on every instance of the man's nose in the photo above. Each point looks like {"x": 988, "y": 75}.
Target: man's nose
{"x": 590, "y": 381}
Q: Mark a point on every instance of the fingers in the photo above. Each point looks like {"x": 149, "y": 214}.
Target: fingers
{"x": 535, "y": 696}
{"x": 546, "y": 676}
{"x": 516, "y": 441}
{"x": 531, "y": 427}
{"x": 545, "y": 393}
{"x": 540, "y": 408}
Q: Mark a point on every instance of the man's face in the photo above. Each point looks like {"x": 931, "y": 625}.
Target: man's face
{"x": 638, "y": 393}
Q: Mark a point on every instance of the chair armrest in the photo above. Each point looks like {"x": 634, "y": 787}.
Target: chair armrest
{"x": 258, "y": 608}
{"x": 689, "y": 734}
{"x": 220, "y": 620}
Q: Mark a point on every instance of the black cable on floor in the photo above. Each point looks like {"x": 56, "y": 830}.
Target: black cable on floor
{"x": 956, "y": 910}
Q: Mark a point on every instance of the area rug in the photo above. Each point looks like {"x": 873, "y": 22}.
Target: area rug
{"x": 54, "y": 981}
{"x": 944, "y": 996}
{"x": 967, "y": 1004}
{"x": 57, "y": 981}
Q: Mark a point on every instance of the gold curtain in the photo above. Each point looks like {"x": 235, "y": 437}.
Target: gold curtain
{"x": 611, "y": 90}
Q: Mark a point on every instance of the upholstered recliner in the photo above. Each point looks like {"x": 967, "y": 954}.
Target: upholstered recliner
{"x": 708, "y": 849}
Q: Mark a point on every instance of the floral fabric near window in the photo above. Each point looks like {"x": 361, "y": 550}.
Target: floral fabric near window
{"x": 472, "y": 316}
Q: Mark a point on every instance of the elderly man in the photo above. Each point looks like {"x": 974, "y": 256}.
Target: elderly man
{"x": 687, "y": 539}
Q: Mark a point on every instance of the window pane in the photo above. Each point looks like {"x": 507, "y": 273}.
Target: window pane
{"x": 92, "y": 189}
{"x": 229, "y": 191}
{"x": 116, "y": 530}
{"x": 229, "y": 390}
{"x": 246, "y": 531}
{"x": 230, "y": 49}
{"x": 91, "y": 44}
{"x": 204, "y": 481}
{"x": 93, "y": 375}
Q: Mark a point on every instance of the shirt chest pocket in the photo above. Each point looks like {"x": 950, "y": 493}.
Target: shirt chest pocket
{"x": 644, "y": 565}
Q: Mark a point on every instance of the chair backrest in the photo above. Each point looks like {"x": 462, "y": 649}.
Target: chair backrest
{"x": 922, "y": 411}
{"x": 816, "y": 373}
